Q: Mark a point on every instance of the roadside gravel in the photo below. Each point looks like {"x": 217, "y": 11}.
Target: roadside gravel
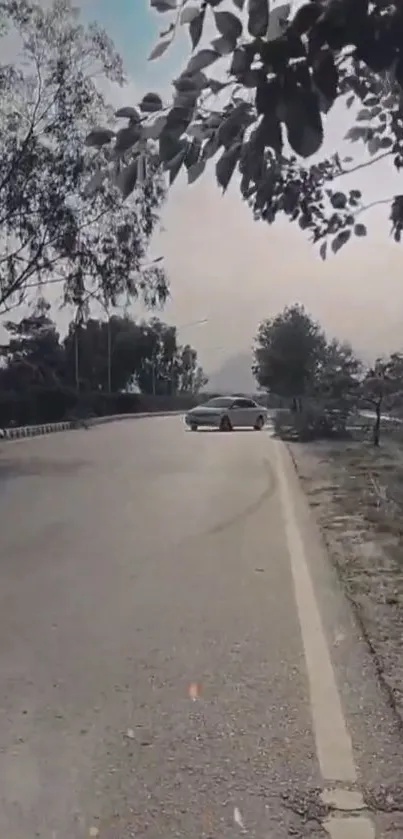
{"x": 356, "y": 493}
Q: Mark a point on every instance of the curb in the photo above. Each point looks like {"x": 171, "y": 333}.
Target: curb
{"x": 50, "y": 428}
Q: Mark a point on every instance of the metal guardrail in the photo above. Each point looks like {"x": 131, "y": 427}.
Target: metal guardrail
{"x": 50, "y": 428}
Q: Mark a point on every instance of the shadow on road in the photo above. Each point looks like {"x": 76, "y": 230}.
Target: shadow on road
{"x": 22, "y": 467}
{"x": 217, "y": 431}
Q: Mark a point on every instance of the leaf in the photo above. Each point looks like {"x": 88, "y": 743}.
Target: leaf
{"x": 303, "y": 122}
{"x": 195, "y": 82}
{"x": 323, "y": 250}
{"x": 195, "y": 171}
{"x": 338, "y": 200}
{"x": 197, "y": 130}
{"x": 127, "y": 178}
{"x": 201, "y": 60}
{"x": 364, "y": 114}
{"x": 222, "y": 46}
{"x": 150, "y": 103}
{"x": 188, "y": 14}
{"x": 95, "y": 182}
{"x": 229, "y": 26}
{"x": 340, "y": 240}
{"x": 159, "y": 49}
{"x": 193, "y": 153}
{"x": 225, "y": 166}
{"x": 360, "y": 230}
{"x": 278, "y": 21}
{"x": 326, "y": 77}
{"x": 356, "y": 133}
{"x": 258, "y": 18}
{"x": 269, "y": 133}
{"x": 385, "y": 142}
{"x": 374, "y": 144}
{"x": 152, "y": 130}
{"x": 174, "y": 166}
{"x": 163, "y": 5}
{"x": 129, "y": 113}
{"x": 178, "y": 120}
{"x": 126, "y": 138}
{"x": 216, "y": 86}
{"x": 267, "y": 97}
{"x": 196, "y": 28}
{"x": 169, "y": 146}
{"x": 99, "y": 137}
{"x": 241, "y": 61}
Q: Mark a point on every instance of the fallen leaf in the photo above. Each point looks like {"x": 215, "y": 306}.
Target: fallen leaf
{"x": 208, "y": 822}
{"x": 94, "y": 831}
{"x": 238, "y": 818}
{"x": 194, "y": 691}
{"x": 130, "y": 734}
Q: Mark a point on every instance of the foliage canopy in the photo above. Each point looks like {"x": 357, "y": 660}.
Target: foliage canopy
{"x": 53, "y": 225}
{"x": 284, "y": 73}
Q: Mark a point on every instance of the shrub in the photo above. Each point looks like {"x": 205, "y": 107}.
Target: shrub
{"x": 314, "y": 422}
{"x": 43, "y": 405}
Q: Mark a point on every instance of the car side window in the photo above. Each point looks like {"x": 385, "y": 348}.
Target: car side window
{"x": 238, "y": 403}
{"x": 245, "y": 403}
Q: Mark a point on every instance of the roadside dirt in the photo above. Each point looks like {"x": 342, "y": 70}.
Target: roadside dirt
{"x": 356, "y": 493}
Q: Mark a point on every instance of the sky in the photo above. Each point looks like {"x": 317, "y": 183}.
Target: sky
{"x": 235, "y": 272}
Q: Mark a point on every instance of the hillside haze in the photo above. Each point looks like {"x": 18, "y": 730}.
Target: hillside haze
{"x": 234, "y": 376}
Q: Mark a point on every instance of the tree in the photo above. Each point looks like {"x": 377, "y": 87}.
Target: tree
{"x": 92, "y": 346}
{"x": 145, "y": 353}
{"x": 338, "y": 375}
{"x": 188, "y": 376}
{"x": 382, "y": 386}
{"x": 33, "y": 355}
{"x": 288, "y": 350}
{"x": 285, "y": 72}
{"x": 56, "y": 224}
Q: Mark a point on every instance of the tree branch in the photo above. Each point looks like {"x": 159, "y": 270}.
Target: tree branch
{"x": 367, "y": 163}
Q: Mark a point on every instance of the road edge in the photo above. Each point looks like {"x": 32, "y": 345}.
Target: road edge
{"x": 50, "y": 428}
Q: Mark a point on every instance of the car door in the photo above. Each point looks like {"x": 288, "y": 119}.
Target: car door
{"x": 236, "y": 413}
{"x": 240, "y": 413}
{"x": 250, "y": 411}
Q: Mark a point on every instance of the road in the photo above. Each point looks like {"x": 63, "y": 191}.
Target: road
{"x": 177, "y": 658}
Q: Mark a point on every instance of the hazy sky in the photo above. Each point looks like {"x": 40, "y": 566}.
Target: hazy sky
{"x": 235, "y": 272}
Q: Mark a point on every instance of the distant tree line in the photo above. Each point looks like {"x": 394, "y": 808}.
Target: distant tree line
{"x": 97, "y": 366}
{"x": 321, "y": 381}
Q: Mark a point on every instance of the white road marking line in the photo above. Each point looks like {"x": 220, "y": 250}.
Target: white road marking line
{"x": 333, "y": 742}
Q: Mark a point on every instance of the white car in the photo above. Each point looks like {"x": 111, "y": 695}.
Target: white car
{"x": 226, "y": 413}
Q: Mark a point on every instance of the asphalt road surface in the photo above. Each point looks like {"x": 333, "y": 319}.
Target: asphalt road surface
{"x": 176, "y": 656}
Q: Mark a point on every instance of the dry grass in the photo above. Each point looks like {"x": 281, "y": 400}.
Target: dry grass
{"x": 357, "y": 494}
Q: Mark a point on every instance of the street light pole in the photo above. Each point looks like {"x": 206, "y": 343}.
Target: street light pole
{"x": 200, "y": 322}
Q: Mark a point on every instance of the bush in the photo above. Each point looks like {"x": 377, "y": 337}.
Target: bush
{"x": 314, "y": 422}
{"x": 43, "y": 405}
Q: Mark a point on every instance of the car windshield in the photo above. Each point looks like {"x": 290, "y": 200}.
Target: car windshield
{"x": 219, "y": 402}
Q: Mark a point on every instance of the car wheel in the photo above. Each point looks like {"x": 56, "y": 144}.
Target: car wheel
{"x": 193, "y": 426}
{"x": 259, "y": 424}
{"x": 225, "y": 424}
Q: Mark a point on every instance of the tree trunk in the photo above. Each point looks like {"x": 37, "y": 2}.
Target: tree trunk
{"x": 377, "y": 424}
{"x": 109, "y": 353}
{"x": 294, "y": 405}
{"x": 77, "y": 359}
